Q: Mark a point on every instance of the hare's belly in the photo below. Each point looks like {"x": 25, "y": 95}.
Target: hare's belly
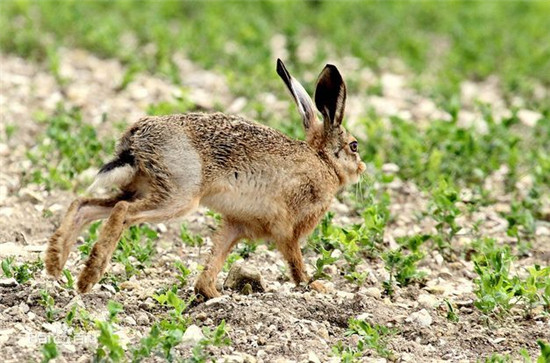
{"x": 244, "y": 197}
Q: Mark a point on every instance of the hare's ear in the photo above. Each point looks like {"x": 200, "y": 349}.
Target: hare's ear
{"x": 304, "y": 102}
{"x": 330, "y": 96}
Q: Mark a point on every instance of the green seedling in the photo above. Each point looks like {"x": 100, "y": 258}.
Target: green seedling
{"x": 23, "y": 272}
{"x": 190, "y": 239}
{"x": 48, "y": 302}
{"x": 49, "y": 351}
{"x": 70, "y": 279}
{"x": 184, "y": 273}
{"x": 373, "y": 337}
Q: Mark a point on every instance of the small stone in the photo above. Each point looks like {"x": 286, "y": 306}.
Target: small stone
{"x": 31, "y": 316}
{"x": 498, "y": 340}
{"x": 217, "y": 300}
{"x": 436, "y": 289}
{"x": 373, "y": 292}
{"x": 129, "y": 320}
{"x": 427, "y": 301}
{"x": 242, "y": 274}
{"x": 11, "y": 282}
{"x": 323, "y": 333}
{"x": 192, "y": 335}
{"x": 421, "y": 318}
{"x": 24, "y": 308}
{"x": 161, "y": 228}
{"x": 312, "y": 357}
{"x": 128, "y": 285}
{"x": 142, "y": 319}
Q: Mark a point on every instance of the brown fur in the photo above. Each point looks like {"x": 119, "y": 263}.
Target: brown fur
{"x": 265, "y": 184}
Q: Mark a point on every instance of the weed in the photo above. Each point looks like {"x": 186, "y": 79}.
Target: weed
{"x": 231, "y": 259}
{"x": 70, "y": 279}
{"x": 444, "y": 211}
{"x": 184, "y": 273}
{"x": 370, "y": 337}
{"x": 136, "y": 245}
{"x": 325, "y": 259}
{"x": 497, "y": 290}
{"x": 68, "y": 147}
{"x": 451, "y": 313}
{"x": 190, "y": 239}
{"x": 401, "y": 267}
{"x": 23, "y": 272}
{"x": 48, "y": 302}
{"x": 49, "y": 351}
{"x": 108, "y": 343}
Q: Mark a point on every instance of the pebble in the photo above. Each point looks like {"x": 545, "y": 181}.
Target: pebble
{"x": 312, "y": 357}
{"x": 427, "y": 301}
{"x": 129, "y": 320}
{"x": 23, "y": 308}
{"x": 373, "y": 292}
{"x": 420, "y": 318}
{"x": 10, "y": 282}
{"x": 217, "y": 300}
{"x": 242, "y": 274}
{"x": 192, "y": 335}
{"x": 142, "y": 319}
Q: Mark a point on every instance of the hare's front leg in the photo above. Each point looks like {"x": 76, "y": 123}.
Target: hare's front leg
{"x": 290, "y": 249}
{"x": 224, "y": 241}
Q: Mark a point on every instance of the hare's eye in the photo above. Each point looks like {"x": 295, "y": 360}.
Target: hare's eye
{"x": 353, "y": 146}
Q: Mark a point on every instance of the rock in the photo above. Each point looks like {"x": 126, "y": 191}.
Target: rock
{"x": 28, "y": 195}
{"x": 128, "y": 285}
{"x": 129, "y": 320}
{"x": 11, "y": 282}
{"x": 312, "y": 357}
{"x": 528, "y": 117}
{"x": 24, "y": 308}
{"x": 427, "y": 301}
{"x": 10, "y": 249}
{"x": 142, "y": 319}
{"x": 420, "y": 318}
{"x": 373, "y": 292}
{"x": 242, "y": 274}
{"x": 217, "y": 300}
{"x": 192, "y": 335}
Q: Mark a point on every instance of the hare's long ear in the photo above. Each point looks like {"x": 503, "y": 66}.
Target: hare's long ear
{"x": 330, "y": 96}
{"x": 304, "y": 102}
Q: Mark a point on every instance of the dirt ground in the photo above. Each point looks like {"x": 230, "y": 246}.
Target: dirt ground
{"x": 283, "y": 324}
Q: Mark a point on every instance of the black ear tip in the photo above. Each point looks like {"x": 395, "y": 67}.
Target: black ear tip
{"x": 281, "y": 69}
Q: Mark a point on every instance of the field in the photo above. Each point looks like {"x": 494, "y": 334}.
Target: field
{"x": 440, "y": 253}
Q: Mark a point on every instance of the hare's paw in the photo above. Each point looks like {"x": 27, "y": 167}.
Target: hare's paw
{"x": 89, "y": 277}
{"x": 206, "y": 288}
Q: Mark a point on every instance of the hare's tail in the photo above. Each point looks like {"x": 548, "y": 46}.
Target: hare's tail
{"x": 117, "y": 172}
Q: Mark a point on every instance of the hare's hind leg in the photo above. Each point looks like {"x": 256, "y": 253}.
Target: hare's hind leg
{"x": 123, "y": 215}
{"x": 224, "y": 241}
{"x": 81, "y": 212}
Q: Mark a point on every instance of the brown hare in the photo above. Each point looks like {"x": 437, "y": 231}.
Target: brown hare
{"x": 263, "y": 183}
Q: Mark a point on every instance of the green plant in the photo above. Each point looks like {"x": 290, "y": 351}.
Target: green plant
{"x": 217, "y": 337}
{"x": 108, "y": 343}
{"x": 23, "y": 272}
{"x": 70, "y": 279}
{"x": 231, "y": 259}
{"x": 451, "y": 313}
{"x": 401, "y": 267}
{"x": 325, "y": 259}
{"x": 68, "y": 147}
{"x": 444, "y": 211}
{"x": 48, "y": 302}
{"x": 136, "y": 243}
{"x": 184, "y": 273}
{"x": 167, "y": 333}
{"x": 49, "y": 350}
{"x": 373, "y": 337}
{"x": 190, "y": 239}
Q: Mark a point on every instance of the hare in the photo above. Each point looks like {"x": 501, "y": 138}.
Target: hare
{"x": 263, "y": 183}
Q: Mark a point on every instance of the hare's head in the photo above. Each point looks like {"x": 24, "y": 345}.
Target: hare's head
{"x": 328, "y": 137}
